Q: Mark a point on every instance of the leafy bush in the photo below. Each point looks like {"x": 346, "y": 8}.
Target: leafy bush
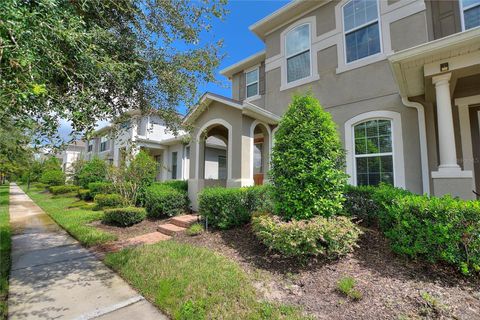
{"x": 195, "y": 229}
{"x": 124, "y": 217}
{"x": 39, "y": 185}
{"x": 329, "y": 237}
{"x": 181, "y": 185}
{"x": 63, "y": 189}
{"x": 53, "y": 178}
{"x": 94, "y": 170}
{"x": 307, "y": 162}
{"x": 100, "y": 187}
{"x": 109, "y": 200}
{"x": 85, "y": 194}
{"x": 225, "y": 208}
{"x": 161, "y": 200}
{"x": 436, "y": 229}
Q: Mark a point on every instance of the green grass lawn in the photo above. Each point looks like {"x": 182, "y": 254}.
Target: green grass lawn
{"x": 5, "y": 245}
{"x": 73, "y": 219}
{"x": 189, "y": 282}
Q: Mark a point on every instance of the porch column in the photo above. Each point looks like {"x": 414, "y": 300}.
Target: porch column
{"x": 446, "y": 136}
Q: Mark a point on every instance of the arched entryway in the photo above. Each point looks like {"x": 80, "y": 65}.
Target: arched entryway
{"x": 214, "y": 153}
{"x": 260, "y": 155}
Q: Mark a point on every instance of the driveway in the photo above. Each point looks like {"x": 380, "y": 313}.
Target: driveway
{"x": 54, "y": 277}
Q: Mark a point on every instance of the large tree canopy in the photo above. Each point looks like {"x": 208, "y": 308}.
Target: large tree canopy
{"x": 88, "y": 60}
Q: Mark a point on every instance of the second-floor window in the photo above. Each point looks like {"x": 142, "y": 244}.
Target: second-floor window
{"x": 297, "y": 48}
{"x": 471, "y": 13}
{"x": 103, "y": 144}
{"x": 361, "y": 27}
{"x": 252, "y": 83}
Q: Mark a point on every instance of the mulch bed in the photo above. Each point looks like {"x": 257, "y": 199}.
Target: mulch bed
{"x": 392, "y": 287}
{"x": 144, "y": 227}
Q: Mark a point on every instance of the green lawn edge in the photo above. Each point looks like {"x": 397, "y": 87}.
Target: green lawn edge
{"x": 74, "y": 220}
{"x": 5, "y": 248}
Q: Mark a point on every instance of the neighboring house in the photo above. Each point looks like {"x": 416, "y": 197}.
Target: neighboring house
{"x": 401, "y": 79}
{"x": 71, "y": 153}
{"x": 149, "y": 133}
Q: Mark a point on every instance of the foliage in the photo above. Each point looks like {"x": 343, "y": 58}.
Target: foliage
{"x": 190, "y": 282}
{"x": 132, "y": 181}
{"x": 15, "y": 145}
{"x": 53, "y": 177}
{"x": 112, "y": 200}
{"x": 329, "y": 237}
{"x": 100, "y": 187}
{"x": 39, "y": 185}
{"x": 90, "y": 60}
{"x": 225, "y": 208}
{"x": 164, "y": 201}
{"x": 124, "y": 217}
{"x": 5, "y": 247}
{"x": 346, "y": 285}
{"x": 181, "y": 185}
{"x": 431, "y": 228}
{"x": 64, "y": 189}
{"x": 85, "y": 194}
{"x": 94, "y": 170}
{"x": 195, "y": 229}
{"x": 76, "y": 221}
{"x": 307, "y": 162}
{"x": 359, "y": 204}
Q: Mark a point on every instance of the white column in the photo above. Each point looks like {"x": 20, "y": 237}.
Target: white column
{"x": 446, "y": 135}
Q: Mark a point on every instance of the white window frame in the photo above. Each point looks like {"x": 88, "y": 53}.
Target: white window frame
{"x": 90, "y": 146}
{"x": 313, "y": 57}
{"x": 104, "y": 140}
{"x": 175, "y": 165}
{"x": 397, "y": 145}
{"x": 257, "y": 95}
{"x": 300, "y": 52}
{"x": 377, "y": 20}
{"x": 462, "y": 14}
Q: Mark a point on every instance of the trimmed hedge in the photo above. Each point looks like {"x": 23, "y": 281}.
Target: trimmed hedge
{"x": 100, "y": 187}
{"x": 421, "y": 227}
{"x": 162, "y": 200}
{"x": 328, "y": 237}
{"x": 63, "y": 189}
{"x": 225, "y": 208}
{"x": 85, "y": 194}
{"x": 111, "y": 200}
{"x": 181, "y": 185}
{"x": 39, "y": 185}
{"x": 124, "y": 217}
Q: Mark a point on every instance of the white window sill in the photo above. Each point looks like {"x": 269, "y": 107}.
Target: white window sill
{"x": 252, "y": 98}
{"x": 300, "y": 82}
{"x": 361, "y": 63}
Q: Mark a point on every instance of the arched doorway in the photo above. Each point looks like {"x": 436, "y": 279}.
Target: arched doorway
{"x": 260, "y": 158}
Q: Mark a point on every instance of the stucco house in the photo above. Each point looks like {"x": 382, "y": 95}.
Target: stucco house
{"x": 401, "y": 79}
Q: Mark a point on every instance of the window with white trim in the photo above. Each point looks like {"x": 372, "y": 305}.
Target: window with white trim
{"x": 103, "y": 144}
{"x": 373, "y": 152}
{"x": 470, "y": 13}
{"x": 222, "y": 167}
{"x": 251, "y": 78}
{"x": 90, "y": 147}
{"x": 362, "y": 29}
{"x": 174, "y": 164}
{"x": 297, "y": 52}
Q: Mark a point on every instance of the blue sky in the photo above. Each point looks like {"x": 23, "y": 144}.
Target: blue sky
{"x": 239, "y": 42}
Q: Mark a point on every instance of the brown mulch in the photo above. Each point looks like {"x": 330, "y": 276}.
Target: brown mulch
{"x": 392, "y": 287}
{"x": 144, "y": 227}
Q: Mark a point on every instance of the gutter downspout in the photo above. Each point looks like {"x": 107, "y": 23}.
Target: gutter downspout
{"x": 422, "y": 132}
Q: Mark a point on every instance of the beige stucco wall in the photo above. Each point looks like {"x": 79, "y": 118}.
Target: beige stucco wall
{"x": 409, "y": 32}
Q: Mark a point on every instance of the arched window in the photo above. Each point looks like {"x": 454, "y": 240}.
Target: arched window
{"x": 297, "y": 49}
{"x": 362, "y": 29}
{"x": 373, "y": 152}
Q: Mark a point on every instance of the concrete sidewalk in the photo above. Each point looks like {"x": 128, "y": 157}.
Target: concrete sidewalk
{"x": 54, "y": 277}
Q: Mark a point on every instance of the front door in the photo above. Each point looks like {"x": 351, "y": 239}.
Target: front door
{"x": 258, "y": 162}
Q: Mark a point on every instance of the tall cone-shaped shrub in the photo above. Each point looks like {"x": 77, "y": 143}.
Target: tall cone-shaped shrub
{"x": 307, "y": 162}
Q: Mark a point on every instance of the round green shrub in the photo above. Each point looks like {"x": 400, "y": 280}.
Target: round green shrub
{"x": 85, "y": 194}
{"x": 331, "y": 237}
{"x": 53, "y": 177}
{"x": 108, "y": 200}
{"x": 93, "y": 170}
{"x": 100, "y": 187}
{"x": 124, "y": 217}
{"x": 307, "y": 162}
{"x": 164, "y": 201}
